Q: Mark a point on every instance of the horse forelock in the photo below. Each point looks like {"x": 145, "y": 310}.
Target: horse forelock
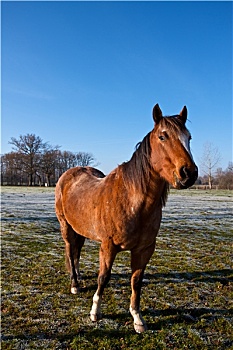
{"x": 173, "y": 124}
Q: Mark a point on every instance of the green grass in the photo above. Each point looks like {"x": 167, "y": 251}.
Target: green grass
{"x": 187, "y": 289}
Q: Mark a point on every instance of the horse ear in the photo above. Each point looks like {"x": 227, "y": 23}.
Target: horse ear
{"x": 157, "y": 114}
{"x": 183, "y": 114}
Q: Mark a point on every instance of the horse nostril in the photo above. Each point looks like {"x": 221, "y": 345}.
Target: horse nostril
{"x": 184, "y": 173}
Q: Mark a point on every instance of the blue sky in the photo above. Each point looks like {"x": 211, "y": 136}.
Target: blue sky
{"x": 86, "y": 75}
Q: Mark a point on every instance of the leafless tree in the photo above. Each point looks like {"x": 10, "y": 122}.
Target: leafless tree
{"x": 30, "y": 148}
{"x": 48, "y": 163}
{"x": 209, "y": 161}
{"x": 11, "y": 168}
{"x": 33, "y": 161}
{"x": 225, "y": 178}
{"x": 84, "y": 159}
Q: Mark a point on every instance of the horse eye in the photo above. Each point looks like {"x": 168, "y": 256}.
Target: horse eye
{"x": 162, "y": 138}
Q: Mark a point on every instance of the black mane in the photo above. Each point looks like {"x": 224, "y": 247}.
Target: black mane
{"x": 137, "y": 171}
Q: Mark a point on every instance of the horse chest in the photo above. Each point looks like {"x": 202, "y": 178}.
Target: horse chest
{"x": 135, "y": 229}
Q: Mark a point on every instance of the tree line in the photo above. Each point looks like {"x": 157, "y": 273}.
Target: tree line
{"x": 213, "y": 175}
{"x": 220, "y": 179}
{"x": 33, "y": 162}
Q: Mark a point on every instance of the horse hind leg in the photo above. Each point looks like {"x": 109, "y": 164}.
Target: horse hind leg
{"x": 74, "y": 250}
{"x": 79, "y": 242}
{"x": 73, "y": 245}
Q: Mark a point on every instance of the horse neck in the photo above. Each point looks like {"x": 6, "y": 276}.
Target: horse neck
{"x": 157, "y": 190}
{"x": 144, "y": 183}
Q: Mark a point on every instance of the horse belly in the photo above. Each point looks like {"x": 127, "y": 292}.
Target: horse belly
{"x": 83, "y": 228}
{"x": 79, "y": 213}
{"x": 137, "y": 240}
{"x": 130, "y": 237}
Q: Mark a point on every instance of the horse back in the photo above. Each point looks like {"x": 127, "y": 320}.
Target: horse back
{"x": 74, "y": 174}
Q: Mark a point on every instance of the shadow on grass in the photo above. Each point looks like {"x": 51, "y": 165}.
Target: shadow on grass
{"x": 224, "y": 276}
{"x": 42, "y": 336}
{"x": 164, "y": 320}
{"x": 170, "y": 316}
{"x": 94, "y": 336}
{"x": 173, "y": 316}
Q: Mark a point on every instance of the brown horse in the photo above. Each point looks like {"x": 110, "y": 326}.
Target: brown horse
{"x": 123, "y": 210}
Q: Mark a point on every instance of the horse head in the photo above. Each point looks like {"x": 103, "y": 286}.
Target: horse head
{"x": 170, "y": 149}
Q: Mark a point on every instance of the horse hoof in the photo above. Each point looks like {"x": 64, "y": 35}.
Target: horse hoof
{"x": 140, "y": 328}
{"x": 95, "y": 317}
{"x": 74, "y": 290}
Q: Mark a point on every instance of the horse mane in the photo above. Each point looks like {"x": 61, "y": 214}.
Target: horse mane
{"x": 138, "y": 169}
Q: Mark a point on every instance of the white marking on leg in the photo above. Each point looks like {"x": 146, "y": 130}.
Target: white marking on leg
{"x": 95, "y": 313}
{"x": 74, "y": 290}
{"x": 139, "y": 323}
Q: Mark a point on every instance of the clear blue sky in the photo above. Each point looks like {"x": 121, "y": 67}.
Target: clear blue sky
{"x": 86, "y": 75}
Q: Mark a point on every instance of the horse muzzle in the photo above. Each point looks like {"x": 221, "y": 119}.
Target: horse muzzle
{"x": 186, "y": 177}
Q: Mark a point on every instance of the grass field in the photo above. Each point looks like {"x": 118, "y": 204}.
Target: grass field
{"x": 187, "y": 290}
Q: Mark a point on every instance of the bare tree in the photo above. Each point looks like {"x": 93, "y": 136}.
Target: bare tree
{"x": 48, "y": 162}
{"x": 84, "y": 159}
{"x": 230, "y": 166}
{"x": 67, "y": 160}
{"x": 30, "y": 148}
{"x": 33, "y": 161}
{"x": 225, "y": 178}
{"x": 11, "y": 168}
{"x": 209, "y": 161}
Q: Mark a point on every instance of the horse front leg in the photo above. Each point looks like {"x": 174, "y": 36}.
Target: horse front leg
{"x": 139, "y": 260}
{"x": 107, "y": 255}
{"x": 136, "y": 284}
